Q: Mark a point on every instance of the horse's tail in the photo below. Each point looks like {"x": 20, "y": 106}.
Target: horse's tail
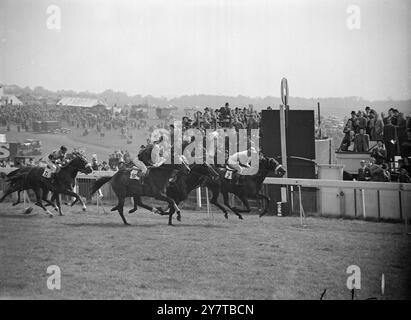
{"x": 99, "y": 183}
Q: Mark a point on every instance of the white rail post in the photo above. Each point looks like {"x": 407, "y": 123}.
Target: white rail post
{"x": 363, "y": 203}
{"x": 198, "y": 193}
{"x": 208, "y": 203}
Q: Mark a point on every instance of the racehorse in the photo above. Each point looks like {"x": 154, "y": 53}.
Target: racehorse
{"x": 248, "y": 186}
{"x": 17, "y": 185}
{"x": 155, "y": 184}
{"x": 25, "y": 179}
{"x": 181, "y": 188}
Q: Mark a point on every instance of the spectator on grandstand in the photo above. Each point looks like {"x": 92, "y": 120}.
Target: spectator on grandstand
{"x": 401, "y": 132}
{"x": 404, "y": 176}
{"x": 379, "y": 153}
{"x": 377, "y": 127}
{"x": 361, "y": 141}
{"x": 386, "y": 172}
{"x": 364, "y": 173}
{"x": 347, "y": 144}
{"x": 361, "y": 122}
{"x": 377, "y": 173}
{"x": 94, "y": 163}
{"x": 390, "y": 139}
{"x": 105, "y": 166}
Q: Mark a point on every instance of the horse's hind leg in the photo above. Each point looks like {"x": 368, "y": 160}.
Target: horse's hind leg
{"x": 18, "y": 198}
{"x": 6, "y": 193}
{"x": 39, "y": 202}
{"x": 135, "y": 200}
{"x": 214, "y": 201}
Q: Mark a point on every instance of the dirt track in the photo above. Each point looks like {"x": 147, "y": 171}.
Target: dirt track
{"x": 199, "y": 258}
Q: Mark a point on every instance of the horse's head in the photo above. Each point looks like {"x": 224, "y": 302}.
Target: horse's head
{"x": 80, "y": 163}
{"x": 271, "y": 164}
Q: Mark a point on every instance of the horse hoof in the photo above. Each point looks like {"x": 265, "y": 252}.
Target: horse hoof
{"x": 226, "y": 216}
{"x": 84, "y": 209}
{"x": 131, "y": 210}
{"x": 28, "y": 210}
{"x": 240, "y": 217}
{"x": 179, "y": 218}
{"x": 51, "y": 215}
{"x": 15, "y": 204}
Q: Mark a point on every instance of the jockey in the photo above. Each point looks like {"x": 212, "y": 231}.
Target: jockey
{"x": 240, "y": 161}
{"x": 153, "y": 155}
{"x": 56, "y": 159}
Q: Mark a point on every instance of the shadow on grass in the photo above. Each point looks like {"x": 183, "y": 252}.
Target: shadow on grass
{"x": 145, "y": 225}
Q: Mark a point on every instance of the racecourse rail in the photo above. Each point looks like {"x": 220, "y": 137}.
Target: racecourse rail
{"x": 356, "y": 199}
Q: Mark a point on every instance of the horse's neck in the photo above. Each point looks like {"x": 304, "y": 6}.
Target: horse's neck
{"x": 192, "y": 181}
{"x": 260, "y": 176}
{"x": 70, "y": 170}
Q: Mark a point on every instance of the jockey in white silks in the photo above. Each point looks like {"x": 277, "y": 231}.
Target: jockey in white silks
{"x": 240, "y": 161}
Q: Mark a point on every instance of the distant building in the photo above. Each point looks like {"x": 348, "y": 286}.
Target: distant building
{"x": 89, "y": 103}
{"x": 9, "y": 99}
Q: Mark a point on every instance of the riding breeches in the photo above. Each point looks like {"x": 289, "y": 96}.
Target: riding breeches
{"x": 140, "y": 165}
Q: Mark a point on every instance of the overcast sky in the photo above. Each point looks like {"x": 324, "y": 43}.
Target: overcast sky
{"x": 172, "y": 47}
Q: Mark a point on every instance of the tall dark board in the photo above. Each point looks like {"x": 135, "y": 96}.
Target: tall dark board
{"x": 300, "y": 140}
{"x": 300, "y": 143}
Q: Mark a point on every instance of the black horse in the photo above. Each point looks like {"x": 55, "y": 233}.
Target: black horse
{"x": 247, "y": 187}
{"x": 32, "y": 178}
{"x": 155, "y": 184}
{"x": 181, "y": 188}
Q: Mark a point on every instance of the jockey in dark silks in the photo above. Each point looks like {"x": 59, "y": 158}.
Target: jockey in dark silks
{"x": 150, "y": 156}
{"x": 56, "y": 159}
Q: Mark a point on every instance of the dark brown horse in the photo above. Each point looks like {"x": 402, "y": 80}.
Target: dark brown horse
{"x": 155, "y": 185}
{"x": 25, "y": 179}
{"x": 181, "y": 188}
{"x": 248, "y": 187}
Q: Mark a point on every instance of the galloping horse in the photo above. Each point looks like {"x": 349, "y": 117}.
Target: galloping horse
{"x": 181, "y": 188}
{"x": 248, "y": 188}
{"x": 25, "y": 179}
{"x": 154, "y": 185}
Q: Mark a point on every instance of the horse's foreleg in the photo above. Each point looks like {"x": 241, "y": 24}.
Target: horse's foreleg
{"x": 171, "y": 204}
{"x": 120, "y": 208}
{"x": 58, "y": 204}
{"x": 75, "y": 195}
{"x": 227, "y": 204}
{"x": 267, "y": 201}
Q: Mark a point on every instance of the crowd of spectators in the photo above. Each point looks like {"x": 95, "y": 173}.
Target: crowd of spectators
{"x": 392, "y": 134}
{"x": 224, "y": 117}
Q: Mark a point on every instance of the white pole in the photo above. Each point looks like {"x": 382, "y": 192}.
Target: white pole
{"x": 363, "y": 203}
{"x": 198, "y": 193}
{"x": 301, "y": 206}
{"x": 283, "y": 140}
{"x": 208, "y": 203}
